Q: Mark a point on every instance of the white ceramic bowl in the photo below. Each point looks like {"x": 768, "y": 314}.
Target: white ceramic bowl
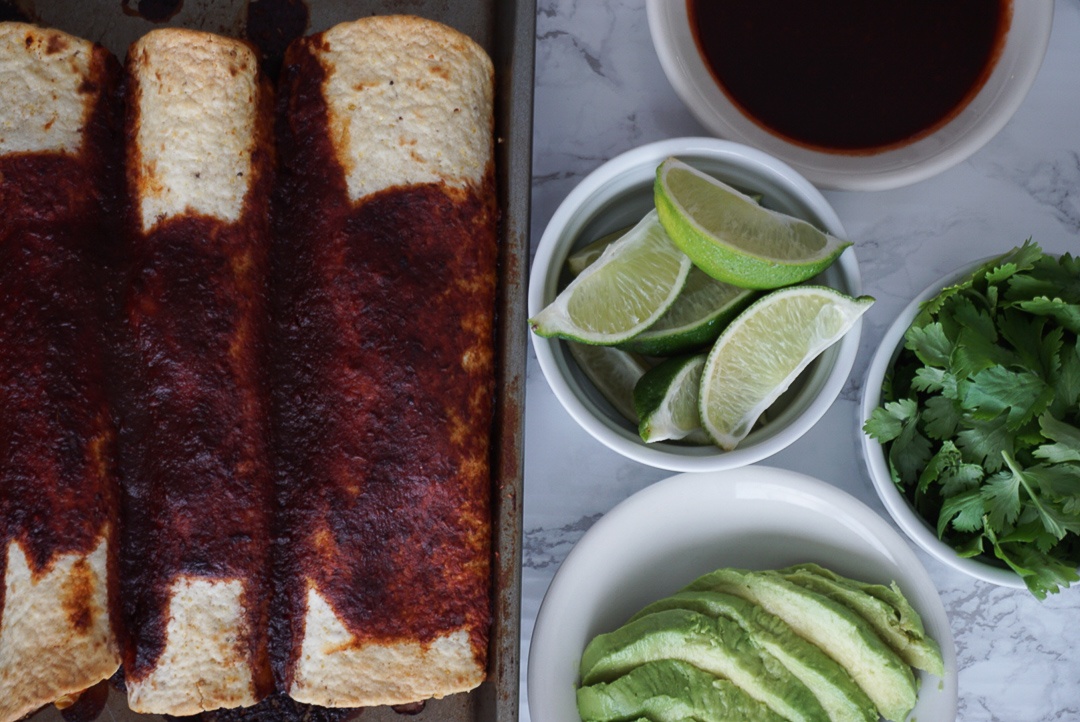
{"x": 664, "y": 537}
{"x": 1012, "y": 76}
{"x": 918, "y": 529}
{"x": 618, "y": 194}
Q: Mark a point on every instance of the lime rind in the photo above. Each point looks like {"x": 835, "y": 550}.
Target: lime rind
{"x": 635, "y": 280}
{"x": 761, "y": 352}
{"x": 734, "y": 239}
{"x": 666, "y": 400}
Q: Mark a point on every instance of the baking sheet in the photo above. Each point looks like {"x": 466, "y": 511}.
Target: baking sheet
{"x": 506, "y": 29}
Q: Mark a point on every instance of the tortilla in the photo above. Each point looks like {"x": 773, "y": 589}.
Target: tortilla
{"x": 58, "y": 497}
{"x": 384, "y": 268}
{"x": 197, "y": 491}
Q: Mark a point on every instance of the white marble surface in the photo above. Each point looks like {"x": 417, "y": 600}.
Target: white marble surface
{"x": 600, "y": 91}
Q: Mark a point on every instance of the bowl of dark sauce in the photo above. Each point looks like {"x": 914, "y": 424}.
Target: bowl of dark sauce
{"x": 855, "y": 95}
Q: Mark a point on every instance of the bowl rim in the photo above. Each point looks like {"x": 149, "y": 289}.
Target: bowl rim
{"x": 914, "y": 526}
{"x": 548, "y": 258}
{"x": 909, "y": 163}
{"x": 560, "y": 614}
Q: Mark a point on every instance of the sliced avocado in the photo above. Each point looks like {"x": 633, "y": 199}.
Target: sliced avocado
{"x": 841, "y": 698}
{"x": 895, "y": 620}
{"x": 714, "y": 644}
{"x": 886, "y": 608}
{"x": 839, "y": 632}
{"x": 670, "y": 690}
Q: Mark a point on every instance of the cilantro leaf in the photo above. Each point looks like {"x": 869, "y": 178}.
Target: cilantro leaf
{"x": 1042, "y": 572}
{"x": 977, "y": 352}
{"x": 1060, "y": 484}
{"x": 1001, "y": 493}
{"x": 1031, "y": 348}
{"x": 929, "y": 378}
{"x": 930, "y": 344}
{"x": 1048, "y": 277}
{"x": 1021, "y": 258}
{"x": 1067, "y": 314}
{"x": 942, "y": 416}
{"x": 948, "y": 468}
{"x": 964, "y": 511}
{"x": 1067, "y": 437}
{"x": 996, "y": 390}
{"x": 1066, "y": 380}
{"x": 886, "y": 422}
{"x": 909, "y": 452}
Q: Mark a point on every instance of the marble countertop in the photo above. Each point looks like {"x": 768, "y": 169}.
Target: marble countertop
{"x": 600, "y": 91}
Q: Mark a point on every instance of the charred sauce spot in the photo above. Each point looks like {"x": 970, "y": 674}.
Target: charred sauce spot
{"x": 77, "y": 596}
{"x": 56, "y": 44}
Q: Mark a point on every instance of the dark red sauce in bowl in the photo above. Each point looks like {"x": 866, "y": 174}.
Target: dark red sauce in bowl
{"x": 850, "y": 76}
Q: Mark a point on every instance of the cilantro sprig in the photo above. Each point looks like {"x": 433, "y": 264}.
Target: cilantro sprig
{"x": 980, "y": 419}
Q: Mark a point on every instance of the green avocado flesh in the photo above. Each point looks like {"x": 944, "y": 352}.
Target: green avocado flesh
{"x": 886, "y": 609}
{"x": 838, "y": 694}
{"x": 670, "y": 690}
{"x": 839, "y": 632}
{"x": 713, "y": 644}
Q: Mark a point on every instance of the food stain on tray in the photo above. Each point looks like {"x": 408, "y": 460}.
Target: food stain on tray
{"x": 10, "y": 12}
{"x": 273, "y": 24}
{"x": 156, "y": 11}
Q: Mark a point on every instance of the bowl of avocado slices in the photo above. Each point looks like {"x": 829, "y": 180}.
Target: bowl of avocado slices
{"x": 755, "y": 594}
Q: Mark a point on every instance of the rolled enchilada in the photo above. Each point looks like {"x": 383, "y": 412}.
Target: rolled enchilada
{"x": 59, "y": 151}
{"x": 384, "y": 277}
{"x": 197, "y": 499}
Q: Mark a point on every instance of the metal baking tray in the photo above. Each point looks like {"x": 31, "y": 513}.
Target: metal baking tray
{"x": 506, "y": 29}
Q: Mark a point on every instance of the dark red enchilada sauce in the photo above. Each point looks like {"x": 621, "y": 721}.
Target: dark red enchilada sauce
{"x": 197, "y": 499}
{"x": 850, "y": 75}
{"x": 57, "y": 438}
{"x": 376, "y": 423}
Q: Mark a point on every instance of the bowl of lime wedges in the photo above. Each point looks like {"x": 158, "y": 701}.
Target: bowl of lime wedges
{"x": 695, "y": 304}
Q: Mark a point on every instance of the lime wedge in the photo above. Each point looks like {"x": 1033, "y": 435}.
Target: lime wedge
{"x": 701, "y": 311}
{"x": 666, "y": 400}
{"x": 734, "y": 239}
{"x": 621, "y": 294}
{"x": 614, "y": 373}
{"x": 761, "y": 352}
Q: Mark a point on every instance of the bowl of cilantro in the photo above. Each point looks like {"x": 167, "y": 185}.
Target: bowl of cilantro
{"x": 972, "y": 420}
